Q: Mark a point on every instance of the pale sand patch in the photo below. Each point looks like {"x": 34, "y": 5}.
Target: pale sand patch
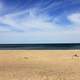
{"x": 39, "y": 65}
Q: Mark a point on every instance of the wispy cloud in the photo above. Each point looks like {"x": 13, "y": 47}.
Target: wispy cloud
{"x": 75, "y": 20}
{"x": 28, "y": 20}
{"x": 33, "y": 20}
{"x": 41, "y": 24}
{"x": 36, "y": 28}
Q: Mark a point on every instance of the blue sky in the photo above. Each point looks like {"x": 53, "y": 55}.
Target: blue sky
{"x": 39, "y": 21}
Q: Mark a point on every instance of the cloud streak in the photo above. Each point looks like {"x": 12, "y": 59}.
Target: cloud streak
{"x": 49, "y": 22}
{"x": 29, "y": 20}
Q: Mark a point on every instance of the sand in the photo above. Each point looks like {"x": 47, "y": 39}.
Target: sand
{"x": 39, "y": 65}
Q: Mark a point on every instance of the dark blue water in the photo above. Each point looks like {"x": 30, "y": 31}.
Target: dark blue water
{"x": 60, "y": 46}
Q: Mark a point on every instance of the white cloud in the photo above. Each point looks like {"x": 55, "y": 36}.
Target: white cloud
{"x": 75, "y": 21}
{"x": 31, "y": 19}
{"x": 49, "y": 30}
{"x": 75, "y": 18}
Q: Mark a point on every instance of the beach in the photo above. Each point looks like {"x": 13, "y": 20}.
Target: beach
{"x": 39, "y": 65}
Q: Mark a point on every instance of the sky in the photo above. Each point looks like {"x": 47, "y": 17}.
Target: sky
{"x": 39, "y": 21}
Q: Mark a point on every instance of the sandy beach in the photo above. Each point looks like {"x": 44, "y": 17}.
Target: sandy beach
{"x": 39, "y": 65}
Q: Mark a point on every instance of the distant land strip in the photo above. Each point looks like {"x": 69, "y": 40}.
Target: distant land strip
{"x": 59, "y": 46}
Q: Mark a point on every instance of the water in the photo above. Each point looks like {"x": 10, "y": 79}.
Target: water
{"x": 60, "y": 46}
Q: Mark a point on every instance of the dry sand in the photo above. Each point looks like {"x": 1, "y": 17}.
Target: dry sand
{"x": 39, "y": 65}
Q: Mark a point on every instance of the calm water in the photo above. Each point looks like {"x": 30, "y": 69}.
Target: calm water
{"x": 40, "y": 46}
